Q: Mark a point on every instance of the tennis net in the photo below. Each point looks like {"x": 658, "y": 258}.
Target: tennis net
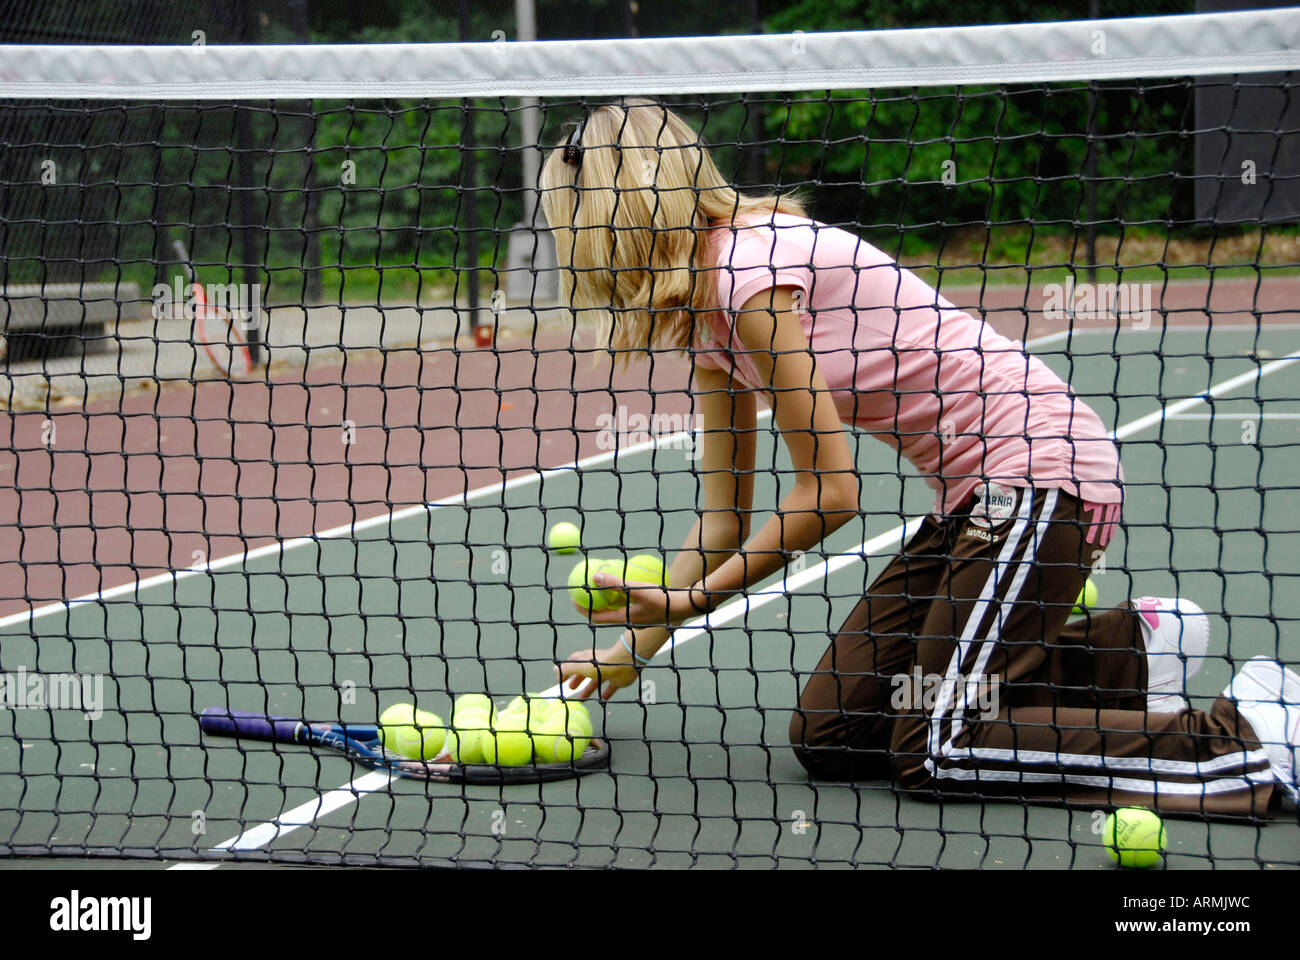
{"x": 294, "y": 396}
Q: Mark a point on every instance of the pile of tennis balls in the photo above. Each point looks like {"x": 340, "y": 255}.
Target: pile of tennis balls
{"x": 550, "y": 729}
{"x": 642, "y": 568}
{"x": 566, "y": 538}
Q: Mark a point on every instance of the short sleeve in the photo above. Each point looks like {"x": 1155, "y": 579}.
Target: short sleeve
{"x": 749, "y": 261}
{"x": 758, "y": 259}
{"x": 707, "y": 357}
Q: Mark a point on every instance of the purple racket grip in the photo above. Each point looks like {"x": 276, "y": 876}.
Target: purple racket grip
{"x": 252, "y": 726}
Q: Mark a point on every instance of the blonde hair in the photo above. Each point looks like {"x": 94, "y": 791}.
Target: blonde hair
{"x": 628, "y": 221}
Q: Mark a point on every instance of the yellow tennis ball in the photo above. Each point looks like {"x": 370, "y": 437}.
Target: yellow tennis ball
{"x": 578, "y": 707}
{"x": 469, "y": 724}
{"x": 472, "y": 703}
{"x": 1134, "y": 837}
{"x": 561, "y": 731}
{"x": 468, "y": 720}
{"x": 540, "y": 711}
{"x": 565, "y": 538}
{"x": 585, "y": 593}
{"x": 397, "y": 714}
{"x": 414, "y": 734}
{"x": 523, "y": 712}
{"x": 466, "y": 745}
{"x": 1087, "y": 598}
{"x": 508, "y": 748}
{"x": 517, "y": 705}
{"x": 515, "y": 718}
{"x": 645, "y": 568}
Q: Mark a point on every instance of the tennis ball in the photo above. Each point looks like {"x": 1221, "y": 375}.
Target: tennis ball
{"x": 522, "y": 712}
{"x": 507, "y": 748}
{"x": 397, "y": 714}
{"x": 516, "y": 706}
{"x": 1087, "y": 598}
{"x": 578, "y": 707}
{"x": 508, "y": 744}
{"x": 472, "y": 703}
{"x": 561, "y": 731}
{"x": 540, "y": 710}
{"x": 465, "y": 746}
{"x": 645, "y": 568}
{"x": 464, "y": 740}
{"x": 1134, "y": 837}
{"x": 565, "y": 538}
{"x": 414, "y": 734}
{"x": 585, "y": 593}
{"x": 468, "y": 720}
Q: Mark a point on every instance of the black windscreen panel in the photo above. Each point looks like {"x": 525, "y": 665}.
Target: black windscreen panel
{"x": 1248, "y": 142}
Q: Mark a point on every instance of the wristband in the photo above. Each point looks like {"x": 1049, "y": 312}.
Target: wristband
{"x": 641, "y": 661}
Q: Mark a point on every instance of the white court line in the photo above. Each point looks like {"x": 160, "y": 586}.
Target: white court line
{"x": 305, "y": 813}
{"x": 1171, "y": 411}
{"x": 1236, "y": 415}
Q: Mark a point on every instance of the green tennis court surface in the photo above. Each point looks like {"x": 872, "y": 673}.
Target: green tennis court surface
{"x": 462, "y": 598}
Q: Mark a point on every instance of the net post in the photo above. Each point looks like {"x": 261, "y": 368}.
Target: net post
{"x": 1090, "y": 168}
{"x": 469, "y": 200}
{"x": 248, "y": 245}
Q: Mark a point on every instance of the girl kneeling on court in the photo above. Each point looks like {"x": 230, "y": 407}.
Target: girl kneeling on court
{"x": 957, "y": 674}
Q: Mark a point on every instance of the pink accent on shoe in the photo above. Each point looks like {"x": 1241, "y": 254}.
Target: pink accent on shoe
{"x": 1147, "y": 608}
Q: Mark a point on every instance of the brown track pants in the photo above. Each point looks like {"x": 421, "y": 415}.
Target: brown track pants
{"x": 958, "y": 675}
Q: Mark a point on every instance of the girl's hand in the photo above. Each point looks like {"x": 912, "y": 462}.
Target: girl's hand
{"x": 649, "y": 604}
{"x": 588, "y": 670}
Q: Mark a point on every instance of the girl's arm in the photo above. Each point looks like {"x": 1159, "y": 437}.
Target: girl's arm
{"x": 726, "y": 469}
{"x": 825, "y": 493}
{"x": 726, "y": 463}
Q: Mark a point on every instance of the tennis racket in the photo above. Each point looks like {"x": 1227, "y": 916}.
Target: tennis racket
{"x": 361, "y": 743}
{"x": 220, "y": 337}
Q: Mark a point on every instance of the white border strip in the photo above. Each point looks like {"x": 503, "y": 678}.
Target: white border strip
{"x": 1249, "y": 41}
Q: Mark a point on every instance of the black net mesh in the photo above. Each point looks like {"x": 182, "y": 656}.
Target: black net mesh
{"x": 329, "y": 489}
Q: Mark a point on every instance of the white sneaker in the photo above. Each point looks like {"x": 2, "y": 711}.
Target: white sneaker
{"x": 1177, "y": 634}
{"x": 1268, "y": 696}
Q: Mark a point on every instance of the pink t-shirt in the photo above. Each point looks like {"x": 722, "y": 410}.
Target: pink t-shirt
{"x": 961, "y": 402}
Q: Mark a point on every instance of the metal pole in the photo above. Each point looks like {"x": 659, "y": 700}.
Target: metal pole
{"x": 529, "y": 119}
{"x": 312, "y": 284}
{"x": 756, "y": 154}
{"x": 1090, "y": 184}
{"x": 468, "y": 176}
{"x": 250, "y": 251}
